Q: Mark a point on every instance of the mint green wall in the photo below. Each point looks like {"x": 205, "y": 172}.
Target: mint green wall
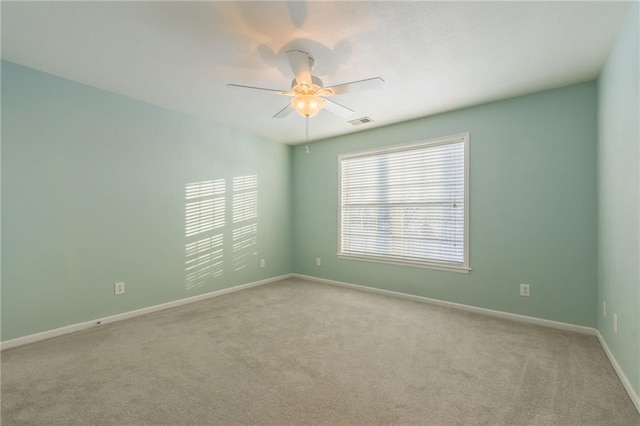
{"x": 93, "y": 192}
{"x": 619, "y": 198}
{"x": 532, "y": 201}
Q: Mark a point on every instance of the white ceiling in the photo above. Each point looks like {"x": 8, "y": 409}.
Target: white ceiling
{"x": 434, "y": 56}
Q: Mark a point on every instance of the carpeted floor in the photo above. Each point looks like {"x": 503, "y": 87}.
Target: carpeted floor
{"x": 302, "y": 353}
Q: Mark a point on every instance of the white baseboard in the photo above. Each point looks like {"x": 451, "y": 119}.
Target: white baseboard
{"x": 623, "y": 378}
{"x": 19, "y": 341}
{"x": 499, "y": 314}
{"x": 31, "y": 338}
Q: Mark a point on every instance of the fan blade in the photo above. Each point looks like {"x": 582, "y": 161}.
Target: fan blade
{"x": 337, "y": 109}
{"x": 239, "y": 86}
{"x": 300, "y": 65}
{"x": 369, "y": 83}
{"x": 284, "y": 112}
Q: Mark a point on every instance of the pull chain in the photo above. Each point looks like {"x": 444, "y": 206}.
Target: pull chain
{"x": 306, "y": 137}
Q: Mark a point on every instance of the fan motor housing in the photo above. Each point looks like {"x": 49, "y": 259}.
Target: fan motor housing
{"x": 315, "y": 81}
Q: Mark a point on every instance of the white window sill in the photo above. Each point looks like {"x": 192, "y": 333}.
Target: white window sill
{"x": 396, "y": 261}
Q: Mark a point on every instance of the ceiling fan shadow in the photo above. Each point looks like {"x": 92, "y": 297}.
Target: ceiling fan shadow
{"x": 297, "y": 12}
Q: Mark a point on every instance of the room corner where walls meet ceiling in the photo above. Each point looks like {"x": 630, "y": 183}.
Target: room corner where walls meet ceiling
{"x": 434, "y": 56}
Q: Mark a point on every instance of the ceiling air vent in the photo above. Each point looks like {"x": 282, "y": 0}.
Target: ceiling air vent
{"x": 362, "y": 120}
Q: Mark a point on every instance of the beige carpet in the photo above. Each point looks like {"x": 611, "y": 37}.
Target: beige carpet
{"x": 302, "y": 353}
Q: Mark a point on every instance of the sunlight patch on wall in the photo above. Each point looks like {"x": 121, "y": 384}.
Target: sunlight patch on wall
{"x": 203, "y": 261}
{"x": 204, "y": 225}
{"x": 245, "y": 198}
{"x": 245, "y": 240}
{"x": 245, "y": 215}
{"x": 205, "y": 211}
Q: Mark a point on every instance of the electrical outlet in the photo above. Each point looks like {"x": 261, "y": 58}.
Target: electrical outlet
{"x": 262, "y": 263}
{"x": 604, "y": 308}
{"x": 524, "y": 290}
{"x": 118, "y": 288}
{"x": 615, "y": 323}
{"x": 318, "y": 261}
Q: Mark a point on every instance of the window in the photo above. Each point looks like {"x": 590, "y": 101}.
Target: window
{"x": 407, "y": 204}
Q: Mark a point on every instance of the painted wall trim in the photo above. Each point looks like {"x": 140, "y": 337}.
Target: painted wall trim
{"x": 36, "y": 337}
{"x": 499, "y": 314}
{"x": 623, "y": 378}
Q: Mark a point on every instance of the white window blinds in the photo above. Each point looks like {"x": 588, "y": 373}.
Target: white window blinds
{"x": 406, "y": 204}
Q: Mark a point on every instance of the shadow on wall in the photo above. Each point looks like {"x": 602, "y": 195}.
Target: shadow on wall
{"x": 206, "y": 217}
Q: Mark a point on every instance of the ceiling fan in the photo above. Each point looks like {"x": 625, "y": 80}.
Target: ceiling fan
{"x": 308, "y": 92}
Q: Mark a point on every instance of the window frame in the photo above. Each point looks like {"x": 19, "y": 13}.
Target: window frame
{"x": 397, "y": 260}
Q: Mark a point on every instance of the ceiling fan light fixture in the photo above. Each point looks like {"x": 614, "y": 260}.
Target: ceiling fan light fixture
{"x": 308, "y": 91}
{"x": 307, "y": 105}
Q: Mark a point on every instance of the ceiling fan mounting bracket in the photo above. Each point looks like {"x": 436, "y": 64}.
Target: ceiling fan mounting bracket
{"x": 312, "y": 61}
